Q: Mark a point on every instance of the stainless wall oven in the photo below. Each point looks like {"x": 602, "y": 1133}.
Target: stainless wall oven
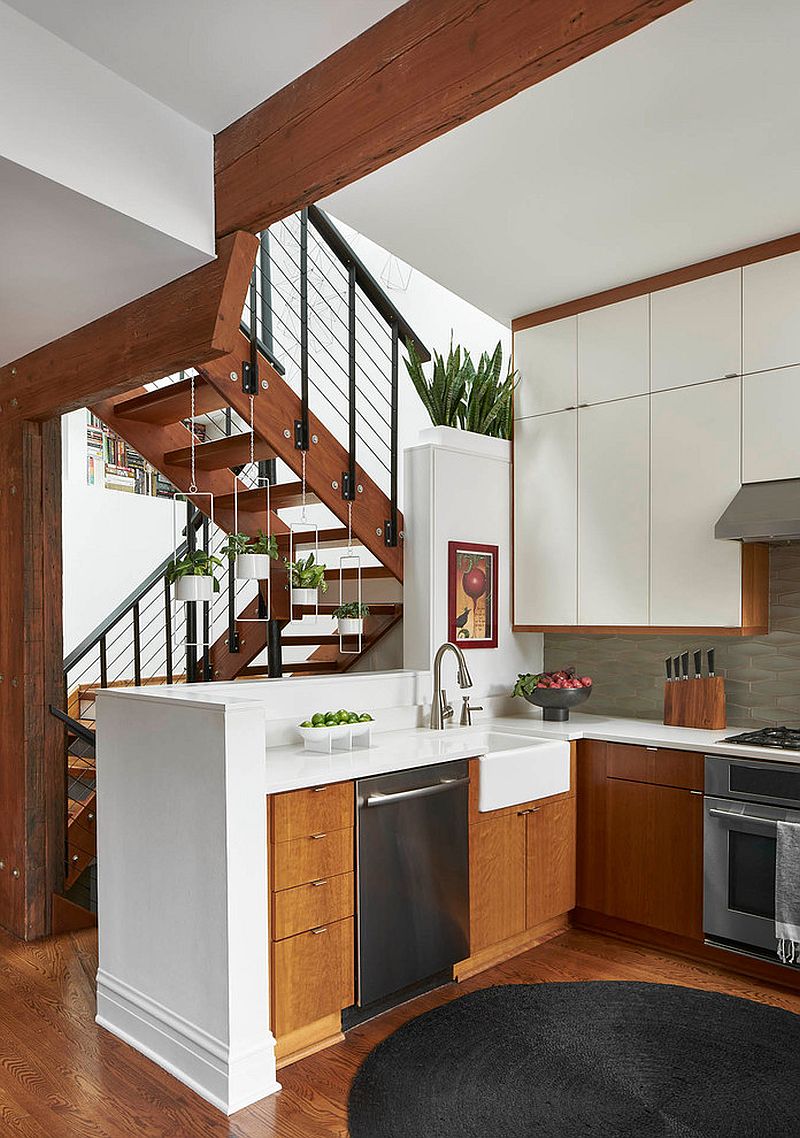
{"x": 744, "y": 800}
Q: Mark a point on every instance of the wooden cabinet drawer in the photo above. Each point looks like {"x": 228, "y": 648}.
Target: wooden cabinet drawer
{"x": 308, "y": 906}
{"x": 312, "y": 976}
{"x": 311, "y": 858}
{"x": 299, "y": 813}
{"x": 659, "y": 766}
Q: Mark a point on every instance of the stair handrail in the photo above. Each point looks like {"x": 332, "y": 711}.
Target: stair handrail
{"x": 78, "y": 729}
{"x": 374, "y": 292}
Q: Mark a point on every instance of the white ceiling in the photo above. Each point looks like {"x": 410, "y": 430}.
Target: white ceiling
{"x": 677, "y": 144}
{"x": 211, "y": 60}
{"x": 67, "y": 259}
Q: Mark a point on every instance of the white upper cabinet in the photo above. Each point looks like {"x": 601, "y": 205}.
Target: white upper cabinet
{"x": 545, "y": 519}
{"x": 770, "y": 418}
{"x": 613, "y": 512}
{"x": 695, "y": 578}
{"x": 613, "y": 351}
{"x": 547, "y": 359}
{"x": 696, "y": 331}
{"x": 771, "y": 311}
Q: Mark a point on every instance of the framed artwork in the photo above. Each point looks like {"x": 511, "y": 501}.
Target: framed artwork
{"x": 472, "y": 595}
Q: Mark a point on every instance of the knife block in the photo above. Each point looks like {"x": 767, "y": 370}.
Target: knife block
{"x": 695, "y": 703}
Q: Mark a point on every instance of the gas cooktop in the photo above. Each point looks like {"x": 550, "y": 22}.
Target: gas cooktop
{"x": 782, "y": 738}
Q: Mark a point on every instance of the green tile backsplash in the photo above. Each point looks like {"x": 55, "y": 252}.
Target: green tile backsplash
{"x": 762, "y": 673}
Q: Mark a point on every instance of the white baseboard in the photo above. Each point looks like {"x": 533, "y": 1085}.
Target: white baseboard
{"x": 228, "y": 1081}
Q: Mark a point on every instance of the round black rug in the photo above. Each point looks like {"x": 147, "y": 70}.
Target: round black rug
{"x": 600, "y": 1058}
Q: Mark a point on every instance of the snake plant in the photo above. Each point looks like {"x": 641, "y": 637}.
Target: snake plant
{"x": 460, "y": 395}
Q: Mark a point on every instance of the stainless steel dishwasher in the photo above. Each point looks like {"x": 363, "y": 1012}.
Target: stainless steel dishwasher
{"x": 413, "y": 877}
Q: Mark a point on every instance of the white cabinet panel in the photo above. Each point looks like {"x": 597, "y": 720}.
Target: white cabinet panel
{"x": 613, "y": 351}
{"x": 545, "y": 519}
{"x": 770, "y": 418}
{"x": 695, "y": 442}
{"x": 613, "y": 512}
{"x": 696, "y": 331}
{"x": 547, "y": 359}
{"x": 771, "y": 313}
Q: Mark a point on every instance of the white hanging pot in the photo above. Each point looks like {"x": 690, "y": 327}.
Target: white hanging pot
{"x": 252, "y": 567}
{"x": 194, "y": 589}
{"x": 351, "y": 625}
{"x": 304, "y": 596}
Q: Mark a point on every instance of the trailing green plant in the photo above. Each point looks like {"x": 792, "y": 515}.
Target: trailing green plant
{"x": 196, "y": 563}
{"x": 526, "y": 683}
{"x": 241, "y": 543}
{"x": 307, "y": 574}
{"x": 460, "y": 395}
{"x": 351, "y": 610}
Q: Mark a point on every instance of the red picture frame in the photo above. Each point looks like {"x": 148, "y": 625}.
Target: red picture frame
{"x": 472, "y": 594}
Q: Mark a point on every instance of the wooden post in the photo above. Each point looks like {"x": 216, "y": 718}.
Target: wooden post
{"x": 32, "y": 765}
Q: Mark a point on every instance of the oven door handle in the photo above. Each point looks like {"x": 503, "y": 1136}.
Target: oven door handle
{"x": 771, "y": 822}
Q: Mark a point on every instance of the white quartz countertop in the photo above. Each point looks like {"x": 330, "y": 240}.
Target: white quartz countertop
{"x": 292, "y": 767}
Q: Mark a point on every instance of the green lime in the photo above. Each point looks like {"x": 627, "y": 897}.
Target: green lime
{"x": 306, "y": 724}
{"x": 365, "y": 718}
{"x": 352, "y": 717}
{"x": 317, "y": 719}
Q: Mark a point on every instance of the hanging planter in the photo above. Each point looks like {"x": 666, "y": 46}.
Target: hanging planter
{"x": 193, "y": 576}
{"x": 350, "y": 618}
{"x": 307, "y": 580}
{"x": 251, "y": 555}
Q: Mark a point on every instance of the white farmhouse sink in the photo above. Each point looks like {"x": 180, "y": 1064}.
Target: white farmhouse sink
{"x": 518, "y": 768}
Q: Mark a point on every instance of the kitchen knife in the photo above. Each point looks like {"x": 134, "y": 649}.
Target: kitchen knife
{"x": 668, "y": 666}
{"x": 698, "y": 663}
{"x": 710, "y": 658}
{"x": 685, "y": 666}
{"x": 676, "y": 667}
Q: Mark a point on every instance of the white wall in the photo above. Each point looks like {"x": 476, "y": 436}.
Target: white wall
{"x": 460, "y": 490}
{"x": 111, "y": 540}
{"x": 77, "y": 123}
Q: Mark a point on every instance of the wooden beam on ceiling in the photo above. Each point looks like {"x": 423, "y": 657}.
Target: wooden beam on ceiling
{"x": 427, "y": 67}
{"x": 192, "y": 320}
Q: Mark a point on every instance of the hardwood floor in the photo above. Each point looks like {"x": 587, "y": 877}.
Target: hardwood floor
{"x": 61, "y": 1076}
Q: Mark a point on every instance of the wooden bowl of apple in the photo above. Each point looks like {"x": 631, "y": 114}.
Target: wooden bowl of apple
{"x": 555, "y": 692}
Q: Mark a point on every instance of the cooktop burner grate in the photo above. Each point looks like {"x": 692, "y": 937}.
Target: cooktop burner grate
{"x": 782, "y": 738}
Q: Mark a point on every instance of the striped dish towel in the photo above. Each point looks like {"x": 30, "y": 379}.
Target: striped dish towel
{"x": 787, "y": 892}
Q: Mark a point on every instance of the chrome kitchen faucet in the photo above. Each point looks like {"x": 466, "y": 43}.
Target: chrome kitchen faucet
{"x": 441, "y": 710}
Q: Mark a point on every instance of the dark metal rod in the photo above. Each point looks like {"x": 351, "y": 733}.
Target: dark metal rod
{"x": 191, "y": 609}
{"x": 168, "y": 628}
{"x": 274, "y": 649}
{"x": 103, "y": 662}
{"x": 304, "y": 329}
{"x": 392, "y": 537}
{"x": 77, "y": 728}
{"x": 265, "y": 275}
{"x": 137, "y": 646}
{"x": 349, "y": 491}
{"x": 206, "y": 610}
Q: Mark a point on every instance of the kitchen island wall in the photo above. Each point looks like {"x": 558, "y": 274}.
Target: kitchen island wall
{"x": 762, "y": 673}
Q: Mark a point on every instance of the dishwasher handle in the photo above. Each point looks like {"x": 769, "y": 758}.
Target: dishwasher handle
{"x": 419, "y": 792}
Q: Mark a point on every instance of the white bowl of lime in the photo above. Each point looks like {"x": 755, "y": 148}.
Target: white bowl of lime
{"x": 336, "y": 730}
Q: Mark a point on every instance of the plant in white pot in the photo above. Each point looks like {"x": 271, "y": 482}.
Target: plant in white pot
{"x": 307, "y": 580}
{"x": 193, "y": 576}
{"x": 458, "y": 394}
{"x": 251, "y": 555}
{"x": 351, "y": 618}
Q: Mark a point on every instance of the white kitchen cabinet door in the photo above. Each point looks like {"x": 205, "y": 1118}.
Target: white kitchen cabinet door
{"x": 771, "y": 313}
{"x": 696, "y": 331}
{"x": 614, "y": 351}
{"x": 614, "y": 512}
{"x": 695, "y": 579}
{"x": 770, "y": 418}
{"x": 546, "y": 519}
{"x": 547, "y": 359}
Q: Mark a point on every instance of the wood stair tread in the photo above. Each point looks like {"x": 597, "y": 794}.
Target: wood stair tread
{"x": 335, "y": 538}
{"x": 311, "y": 668}
{"x": 222, "y": 454}
{"x": 170, "y": 404}
{"x": 389, "y": 608}
{"x": 281, "y": 497}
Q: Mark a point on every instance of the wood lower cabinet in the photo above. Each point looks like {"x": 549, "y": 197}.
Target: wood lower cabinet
{"x": 312, "y": 904}
{"x": 550, "y": 860}
{"x": 522, "y": 875}
{"x": 640, "y": 836}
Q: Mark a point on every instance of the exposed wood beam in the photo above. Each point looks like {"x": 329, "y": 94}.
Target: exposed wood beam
{"x": 191, "y": 320}
{"x": 425, "y": 68}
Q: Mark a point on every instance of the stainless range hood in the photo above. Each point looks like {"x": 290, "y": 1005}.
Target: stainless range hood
{"x": 763, "y": 511}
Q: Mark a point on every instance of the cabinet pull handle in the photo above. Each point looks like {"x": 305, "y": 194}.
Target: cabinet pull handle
{"x": 651, "y": 748}
{"x": 316, "y": 932}
{"x": 695, "y": 792}
{"x": 316, "y": 837}
{"x": 530, "y": 810}
{"x": 319, "y": 789}
{"x": 317, "y": 884}
{"x": 522, "y": 813}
